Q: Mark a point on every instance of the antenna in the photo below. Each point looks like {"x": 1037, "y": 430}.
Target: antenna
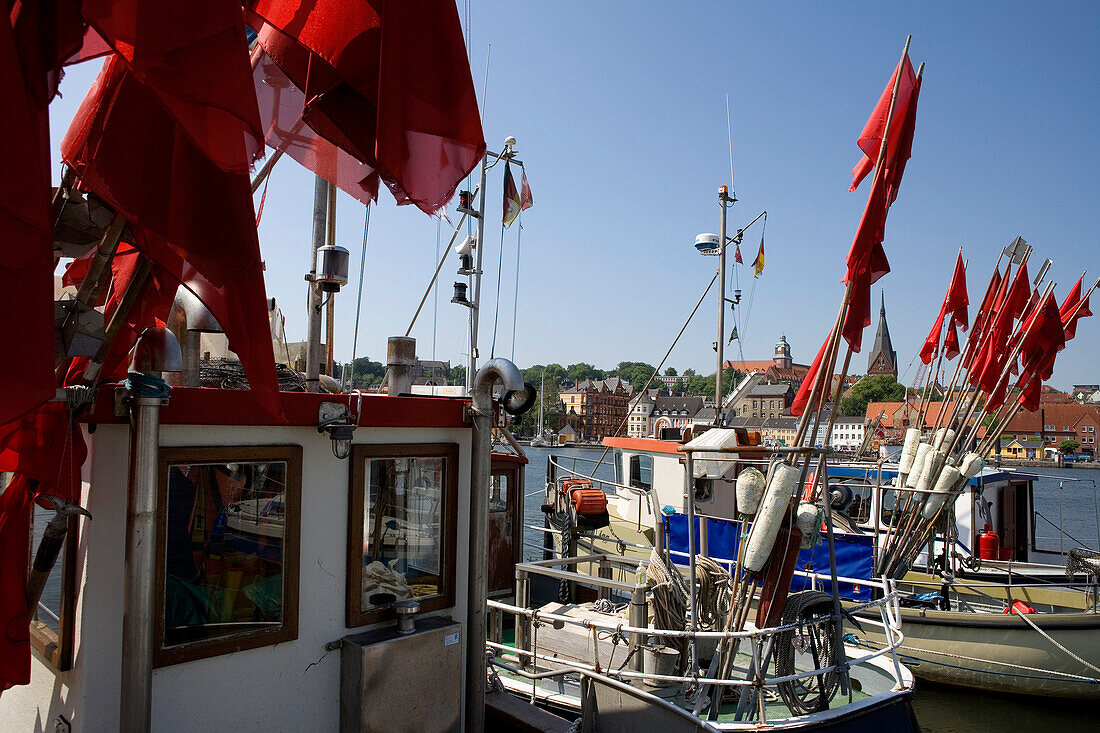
{"x": 729, "y": 133}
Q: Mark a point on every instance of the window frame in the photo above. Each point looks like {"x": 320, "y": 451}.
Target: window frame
{"x": 292, "y": 541}
{"x": 354, "y": 615}
{"x": 56, "y": 647}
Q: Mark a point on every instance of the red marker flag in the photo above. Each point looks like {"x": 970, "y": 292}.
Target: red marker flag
{"x": 866, "y": 263}
{"x": 957, "y": 299}
{"x": 1070, "y": 311}
{"x": 196, "y": 213}
{"x": 737, "y": 254}
{"x": 951, "y": 341}
{"x": 803, "y": 397}
{"x": 870, "y": 140}
{"x": 931, "y": 345}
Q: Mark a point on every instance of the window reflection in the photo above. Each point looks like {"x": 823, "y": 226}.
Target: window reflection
{"x": 402, "y": 530}
{"x": 498, "y": 493}
{"x": 225, "y": 549}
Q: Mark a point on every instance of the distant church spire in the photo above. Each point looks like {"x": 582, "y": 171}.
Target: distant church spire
{"x": 882, "y": 359}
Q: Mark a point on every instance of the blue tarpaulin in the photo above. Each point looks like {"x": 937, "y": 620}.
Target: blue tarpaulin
{"x": 853, "y": 553}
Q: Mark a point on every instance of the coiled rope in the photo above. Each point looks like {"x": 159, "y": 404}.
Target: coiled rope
{"x": 812, "y": 694}
{"x": 140, "y": 384}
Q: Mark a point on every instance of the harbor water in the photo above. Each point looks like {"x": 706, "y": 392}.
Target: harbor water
{"x": 1067, "y": 516}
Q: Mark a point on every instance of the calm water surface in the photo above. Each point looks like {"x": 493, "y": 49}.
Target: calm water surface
{"x": 1064, "y": 498}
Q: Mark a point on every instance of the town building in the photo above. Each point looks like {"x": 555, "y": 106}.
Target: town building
{"x": 432, "y": 373}
{"x": 1054, "y": 423}
{"x": 597, "y": 408}
{"x": 882, "y": 359}
{"x": 641, "y": 407}
{"x": 780, "y": 368}
{"x": 847, "y": 434}
{"x": 673, "y": 412}
{"x": 1026, "y": 448}
{"x": 893, "y": 418}
{"x": 765, "y": 401}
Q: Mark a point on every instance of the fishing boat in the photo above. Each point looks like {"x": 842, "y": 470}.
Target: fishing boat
{"x": 260, "y": 550}
{"x": 589, "y": 623}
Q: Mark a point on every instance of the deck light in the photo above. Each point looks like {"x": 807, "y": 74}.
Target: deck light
{"x": 518, "y": 401}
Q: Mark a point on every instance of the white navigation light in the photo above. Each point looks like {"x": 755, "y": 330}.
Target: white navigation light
{"x": 332, "y": 267}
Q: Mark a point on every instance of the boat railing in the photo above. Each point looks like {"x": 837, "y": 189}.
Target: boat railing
{"x": 636, "y": 633}
{"x": 556, "y": 472}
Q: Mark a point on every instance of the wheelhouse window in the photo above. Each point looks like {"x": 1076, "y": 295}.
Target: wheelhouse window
{"x": 402, "y": 531}
{"x": 641, "y": 471}
{"x": 227, "y": 562}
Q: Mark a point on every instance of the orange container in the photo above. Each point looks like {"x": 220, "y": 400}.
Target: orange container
{"x": 589, "y": 501}
{"x": 575, "y": 483}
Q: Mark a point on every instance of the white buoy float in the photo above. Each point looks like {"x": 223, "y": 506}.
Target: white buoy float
{"x": 782, "y": 483}
{"x": 918, "y": 465}
{"x": 908, "y": 453}
{"x": 808, "y": 521}
{"x": 750, "y": 490}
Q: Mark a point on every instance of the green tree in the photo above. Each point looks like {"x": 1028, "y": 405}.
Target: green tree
{"x": 877, "y": 388}
{"x": 580, "y": 372}
{"x": 363, "y": 372}
{"x": 458, "y": 374}
{"x": 1068, "y": 446}
{"x": 635, "y": 372}
{"x": 670, "y": 372}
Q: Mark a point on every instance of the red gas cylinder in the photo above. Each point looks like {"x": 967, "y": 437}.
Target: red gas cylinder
{"x": 989, "y": 544}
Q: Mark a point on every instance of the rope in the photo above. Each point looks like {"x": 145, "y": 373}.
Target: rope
{"x": 658, "y": 369}
{"x": 715, "y": 592}
{"x": 670, "y": 599}
{"x": 496, "y": 304}
{"x": 851, "y": 639}
{"x": 140, "y": 384}
{"x": 807, "y": 695}
{"x": 1050, "y": 638}
{"x": 359, "y": 297}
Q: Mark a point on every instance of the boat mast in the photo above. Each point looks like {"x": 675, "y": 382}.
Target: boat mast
{"x": 542, "y": 380}
{"x": 724, "y": 200}
{"x": 313, "y": 330}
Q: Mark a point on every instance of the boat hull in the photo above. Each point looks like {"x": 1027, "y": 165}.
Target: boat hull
{"x": 1001, "y": 653}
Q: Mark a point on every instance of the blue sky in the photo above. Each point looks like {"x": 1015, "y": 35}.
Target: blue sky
{"x": 619, "y": 110}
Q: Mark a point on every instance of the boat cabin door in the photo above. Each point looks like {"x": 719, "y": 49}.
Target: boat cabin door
{"x": 505, "y": 522}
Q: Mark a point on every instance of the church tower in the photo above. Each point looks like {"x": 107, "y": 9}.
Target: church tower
{"x": 783, "y": 353}
{"x": 882, "y": 359}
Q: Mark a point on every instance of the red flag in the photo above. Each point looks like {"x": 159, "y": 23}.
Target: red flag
{"x": 997, "y": 396}
{"x": 1045, "y": 338}
{"x": 194, "y": 57}
{"x": 26, "y": 242}
{"x": 281, "y": 104}
{"x": 803, "y": 397}
{"x": 951, "y": 341}
{"x": 737, "y": 254}
{"x": 387, "y": 82}
{"x": 870, "y": 140}
{"x": 1029, "y": 397}
{"x": 866, "y": 263}
{"x": 190, "y": 209}
{"x": 957, "y": 299}
{"x": 15, "y": 646}
{"x": 1070, "y": 311}
{"x": 987, "y": 300}
{"x": 931, "y": 345}
{"x": 897, "y": 158}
